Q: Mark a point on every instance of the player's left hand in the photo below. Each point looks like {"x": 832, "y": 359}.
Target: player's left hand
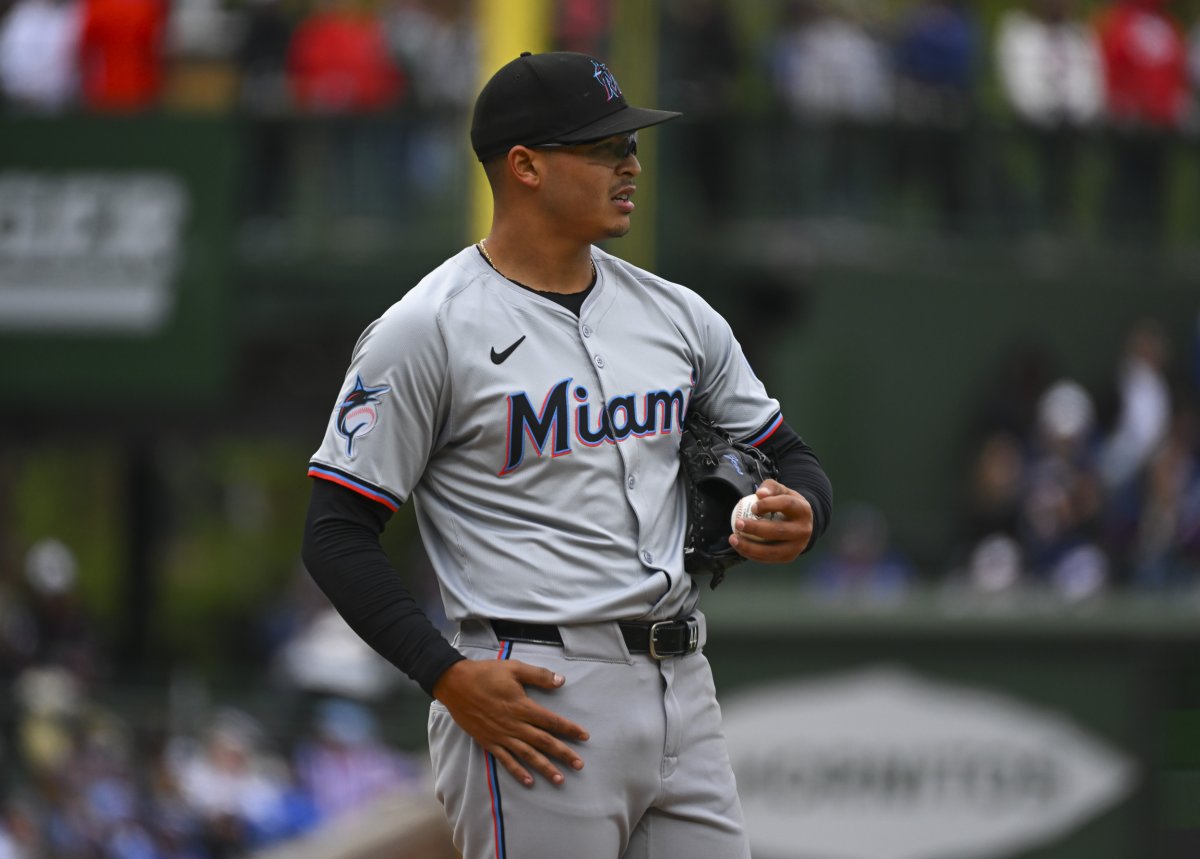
{"x": 785, "y": 538}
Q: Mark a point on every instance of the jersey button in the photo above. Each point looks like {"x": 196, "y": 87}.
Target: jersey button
{"x": 587, "y": 331}
{"x": 647, "y": 557}
{"x": 631, "y": 482}
{"x": 599, "y": 360}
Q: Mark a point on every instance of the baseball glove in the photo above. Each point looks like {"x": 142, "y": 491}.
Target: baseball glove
{"x": 717, "y": 473}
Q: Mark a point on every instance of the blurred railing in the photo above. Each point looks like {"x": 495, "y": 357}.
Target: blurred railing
{"x": 986, "y": 182}
{"x": 370, "y": 202}
{"x": 338, "y": 213}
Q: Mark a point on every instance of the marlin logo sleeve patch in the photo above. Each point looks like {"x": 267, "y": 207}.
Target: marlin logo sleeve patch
{"x": 357, "y": 413}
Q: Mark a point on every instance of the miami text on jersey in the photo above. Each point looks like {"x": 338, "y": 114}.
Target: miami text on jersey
{"x": 558, "y": 425}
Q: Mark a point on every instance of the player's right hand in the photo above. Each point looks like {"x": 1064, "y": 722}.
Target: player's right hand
{"x": 487, "y": 699}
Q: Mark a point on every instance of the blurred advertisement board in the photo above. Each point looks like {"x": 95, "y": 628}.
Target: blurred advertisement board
{"x": 89, "y": 251}
{"x": 883, "y": 763}
{"x": 115, "y": 260}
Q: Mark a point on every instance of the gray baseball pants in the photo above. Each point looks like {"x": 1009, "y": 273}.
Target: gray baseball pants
{"x": 656, "y": 782}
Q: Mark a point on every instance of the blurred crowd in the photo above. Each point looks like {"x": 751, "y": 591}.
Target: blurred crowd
{"x": 330, "y": 56}
{"x": 912, "y": 94}
{"x": 1059, "y": 73}
{"x": 179, "y": 775}
{"x": 1080, "y": 491}
{"x": 271, "y": 56}
{"x": 1058, "y": 63}
{"x": 1070, "y": 493}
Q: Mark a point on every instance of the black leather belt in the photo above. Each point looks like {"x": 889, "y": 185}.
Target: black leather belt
{"x": 660, "y": 639}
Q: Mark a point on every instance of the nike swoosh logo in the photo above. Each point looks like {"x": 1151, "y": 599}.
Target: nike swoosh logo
{"x": 501, "y": 357}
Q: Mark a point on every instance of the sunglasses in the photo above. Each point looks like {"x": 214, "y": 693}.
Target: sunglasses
{"x": 610, "y": 150}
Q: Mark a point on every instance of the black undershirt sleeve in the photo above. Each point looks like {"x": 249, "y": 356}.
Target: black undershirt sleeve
{"x": 799, "y": 469}
{"x": 343, "y": 554}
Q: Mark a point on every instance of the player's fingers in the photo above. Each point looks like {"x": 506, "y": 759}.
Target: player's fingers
{"x": 769, "y": 530}
{"x": 790, "y": 503}
{"x": 528, "y": 753}
{"x": 770, "y": 487}
{"x": 546, "y": 738}
{"x": 533, "y": 675}
{"x": 552, "y": 747}
{"x": 751, "y": 550}
{"x": 789, "y": 519}
{"x": 553, "y": 723}
{"x": 766, "y": 552}
{"x": 510, "y": 763}
{"x": 774, "y": 539}
{"x": 776, "y": 530}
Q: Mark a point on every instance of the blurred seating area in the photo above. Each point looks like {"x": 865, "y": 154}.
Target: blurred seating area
{"x": 1062, "y": 119}
{"x": 1069, "y": 494}
{"x": 95, "y": 765}
{"x": 819, "y": 136}
{"x": 1056, "y": 118}
{"x": 262, "y": 56}
{"x": 1077, "y": 491}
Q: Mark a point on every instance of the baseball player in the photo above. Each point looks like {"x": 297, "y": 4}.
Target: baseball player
{"x": 528, "y": 396}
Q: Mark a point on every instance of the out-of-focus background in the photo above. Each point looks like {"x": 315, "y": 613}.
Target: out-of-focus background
{"x": 960, "y": 241}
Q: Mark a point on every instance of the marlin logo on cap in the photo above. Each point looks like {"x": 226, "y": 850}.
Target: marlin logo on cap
{"x": 606, "y": 79}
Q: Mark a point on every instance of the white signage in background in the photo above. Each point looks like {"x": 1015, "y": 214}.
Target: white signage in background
{"x": 884, "y": 764}
{"x": 89, "y": 252}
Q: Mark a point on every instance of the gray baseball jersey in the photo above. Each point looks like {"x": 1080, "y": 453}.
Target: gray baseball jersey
{"x": 541, "y": 448}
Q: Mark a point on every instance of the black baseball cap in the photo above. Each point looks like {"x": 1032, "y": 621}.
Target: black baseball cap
{"x": 556, "y": 97}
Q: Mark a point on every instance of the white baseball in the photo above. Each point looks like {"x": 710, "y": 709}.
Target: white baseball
{"x": 744, "y": 509}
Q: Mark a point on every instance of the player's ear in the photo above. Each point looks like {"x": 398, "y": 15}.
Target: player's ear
{"x": 524, "y": 166}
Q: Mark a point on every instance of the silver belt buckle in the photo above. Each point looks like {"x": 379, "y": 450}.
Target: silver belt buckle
{"x": 693, "y": 643}
{"x": 653, "y": 636}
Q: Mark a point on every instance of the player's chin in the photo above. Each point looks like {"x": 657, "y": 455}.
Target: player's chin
{"x": 620, "y": 228}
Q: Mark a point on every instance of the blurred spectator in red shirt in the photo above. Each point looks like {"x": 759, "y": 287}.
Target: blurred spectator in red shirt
{"x": 583, "y": 25}
{"x": 121, "y": 62}
{"x": 339, "y": 61}
{"x": 1145, "y": 68}
{"x": 1145, "y": 63}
